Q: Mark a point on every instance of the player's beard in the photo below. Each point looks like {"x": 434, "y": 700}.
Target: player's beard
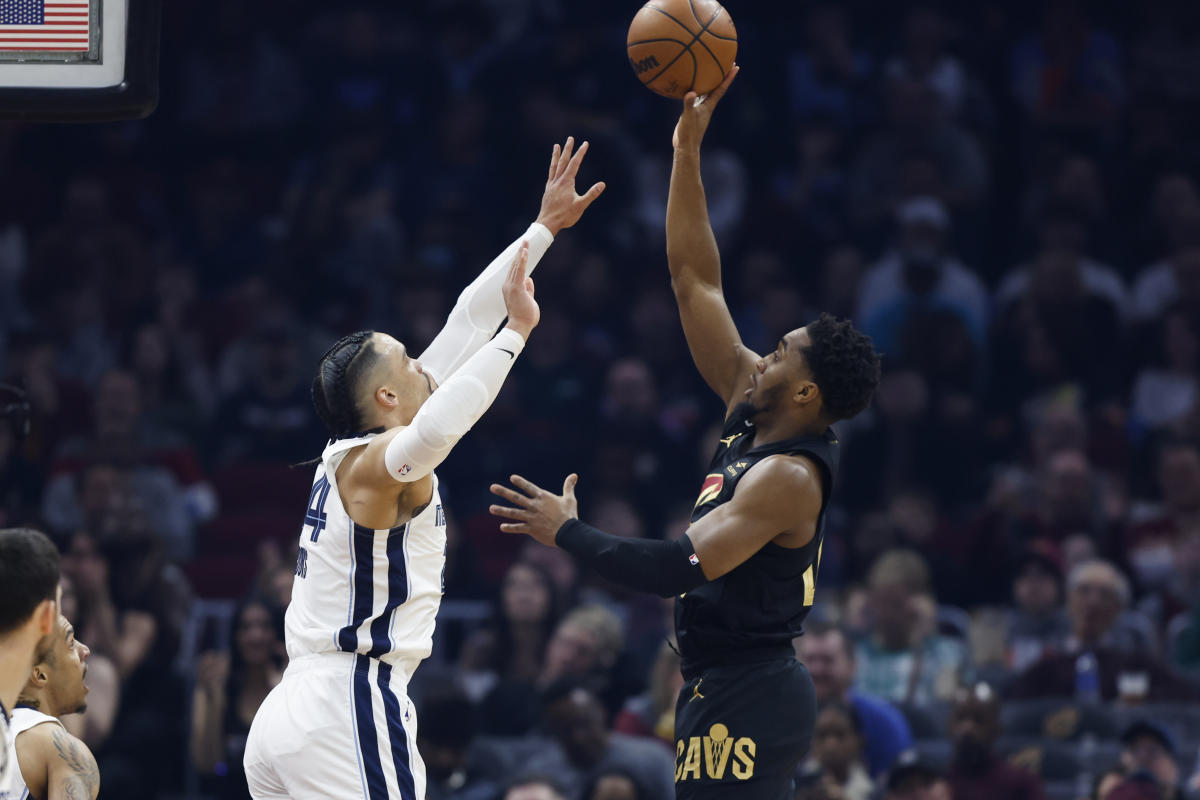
{"x": 758, "y": 405}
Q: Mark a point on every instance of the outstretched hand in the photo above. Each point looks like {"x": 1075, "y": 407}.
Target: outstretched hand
{"x": 561, "y": 206}
{"x": 697, "y": 113}
{"x": 538, "y": 513}
{"x": 518, "y": 291}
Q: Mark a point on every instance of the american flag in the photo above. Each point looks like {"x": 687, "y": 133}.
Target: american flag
{"x": 58, "y": 25}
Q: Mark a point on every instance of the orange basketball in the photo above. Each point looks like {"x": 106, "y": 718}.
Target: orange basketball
{"x": 679, "y": 46}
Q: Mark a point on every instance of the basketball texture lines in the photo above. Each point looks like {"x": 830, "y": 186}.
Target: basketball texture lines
{"x": 678, "y": 46}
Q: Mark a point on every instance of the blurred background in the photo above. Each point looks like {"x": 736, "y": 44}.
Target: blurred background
{"x": 1003, "y": 193}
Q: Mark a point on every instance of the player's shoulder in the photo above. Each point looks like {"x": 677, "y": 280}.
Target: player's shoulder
{"x": 794, "y": 474}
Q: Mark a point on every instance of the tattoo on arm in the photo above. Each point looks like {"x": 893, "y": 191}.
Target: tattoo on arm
{"x": 82, "y": 780}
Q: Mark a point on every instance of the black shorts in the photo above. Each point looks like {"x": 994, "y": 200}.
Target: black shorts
{"x": 741, "y": 731}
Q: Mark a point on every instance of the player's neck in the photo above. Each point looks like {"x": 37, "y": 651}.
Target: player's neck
{"x": 770, "y": 431}
{"x": 36, "y": 702}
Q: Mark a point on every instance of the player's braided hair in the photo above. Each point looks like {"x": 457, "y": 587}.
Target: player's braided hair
{"x": 338, "y": 377}
{"x": 844, "y": 365}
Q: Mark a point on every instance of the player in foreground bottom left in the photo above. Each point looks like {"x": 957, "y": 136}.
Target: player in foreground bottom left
{"x": 53, "y": 764}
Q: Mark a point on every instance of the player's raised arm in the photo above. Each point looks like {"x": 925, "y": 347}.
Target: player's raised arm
{"x": 695, "y": 261}
{"x": 407, "y": 454}
{"x": 480, "y": 308}
{"x": 767, "y": 503}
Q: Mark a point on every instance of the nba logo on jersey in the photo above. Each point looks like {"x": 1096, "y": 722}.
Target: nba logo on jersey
{"x": 405, "y": 470}
{"x": 694, "y": 560}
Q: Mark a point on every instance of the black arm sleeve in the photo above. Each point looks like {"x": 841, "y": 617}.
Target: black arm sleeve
{"x": 646, "y": 565}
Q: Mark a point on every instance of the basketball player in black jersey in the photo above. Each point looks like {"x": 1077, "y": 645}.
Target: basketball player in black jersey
{"x": 745, "y": 572}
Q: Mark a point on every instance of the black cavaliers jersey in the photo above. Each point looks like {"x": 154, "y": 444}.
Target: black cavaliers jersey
{"x": 755, "y": 610}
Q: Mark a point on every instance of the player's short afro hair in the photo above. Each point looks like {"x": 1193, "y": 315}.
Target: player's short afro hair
{"x": 844, "y": 366}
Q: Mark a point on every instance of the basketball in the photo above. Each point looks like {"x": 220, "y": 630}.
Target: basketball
{"x": 679, "y": 46}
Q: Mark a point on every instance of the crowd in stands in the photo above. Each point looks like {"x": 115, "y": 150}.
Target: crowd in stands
{"x": 1005, "y": 194}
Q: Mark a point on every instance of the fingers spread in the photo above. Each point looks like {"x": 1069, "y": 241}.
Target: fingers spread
{"x": 509, "y": 513}
{"x": 573, "y": 167}
{"x": 565, "y": 159}
{"x": 508, "y": 494}
{"x": 594, "y": 192}
{"x": 554, "y": 160}
{"x": 528, "y": 487}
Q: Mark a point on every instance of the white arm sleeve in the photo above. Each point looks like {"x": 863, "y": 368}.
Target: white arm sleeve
{"x": 452, "y": 409}
{"x": 480, "y": 308}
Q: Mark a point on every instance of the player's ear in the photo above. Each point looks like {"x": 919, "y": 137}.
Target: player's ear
{"x": 45, "y": 615}
{"x": 386, "y": 397}
{"x": 806, "y": 393}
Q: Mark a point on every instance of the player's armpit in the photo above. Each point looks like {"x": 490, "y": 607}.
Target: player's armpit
{"x": 775, "y": 496}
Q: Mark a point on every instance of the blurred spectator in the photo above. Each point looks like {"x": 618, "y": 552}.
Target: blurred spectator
{"x": 1055, "y": 331}
{"x": 613, "y": 785}
{"x": 1175, "y": 280}
{"x": 914, "y": 779}
{"x": 1069, "y": 74}
{"x": 531, "y": 787}
{"x": 902, "y": 658}
{"x": 458, "y": 765}
{"x": 246, "y": 82}
{"x": 270, "y": 418}
{"x": 1038, "y": 623}
{"x": 976, "y": 770}
{"x": 1097, "y": 593}
{"x": 925, "y": 57}
{"x": 920, "y": 276}
{"x": 20, "y": 480}
{"x": 829, "y": 655}
{"x": 651, "y": 714}
{"x": 1149, "y": 749}
{"x": 230, "y": 686}
{"x": 513, "y": 647}
{"x": 581, "y": 744}
{"x": 1165, "y": 389}
{"x": 920, "y": 152}
{"x": 584, "y": 647}
{"x": 828, "y": 78}
{"x": 837, "y": 750}
{"x": 1149, "y": 543}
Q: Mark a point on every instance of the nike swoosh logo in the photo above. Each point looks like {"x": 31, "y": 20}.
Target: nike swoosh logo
{"x": 511, "y": 354}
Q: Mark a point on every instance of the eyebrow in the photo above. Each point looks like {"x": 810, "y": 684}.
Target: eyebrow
{"x": 70, "y": 632}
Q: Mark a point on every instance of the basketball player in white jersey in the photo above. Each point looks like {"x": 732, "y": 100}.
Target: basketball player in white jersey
{"x": 53, "y": 764}
{"x": 372, "y": 549}
{"x": 29, "y": 598}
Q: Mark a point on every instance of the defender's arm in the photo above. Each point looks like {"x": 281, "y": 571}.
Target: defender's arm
{"x": 480, "y": 308}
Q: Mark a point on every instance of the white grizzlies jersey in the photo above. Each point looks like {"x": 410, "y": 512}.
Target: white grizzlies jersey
{"x": 358, "y": 590}
{"x": 12, "y": 785}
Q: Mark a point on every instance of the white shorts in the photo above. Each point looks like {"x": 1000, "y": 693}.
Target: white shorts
{"x": 339, "y": 725}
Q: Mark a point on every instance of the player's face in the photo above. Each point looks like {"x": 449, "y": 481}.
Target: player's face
{"x": 66, "y": 687}
{"x": 780, "y": 374}
{"x": 411, "y": 382}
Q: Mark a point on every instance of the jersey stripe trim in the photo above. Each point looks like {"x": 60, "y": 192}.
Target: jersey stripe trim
{"x": 397, "y": 735}
{"x": 361, "y": 545}
{"x": 364, "y": 715}
{"x": 362, "y": 775}
{"x": 381, "y": 643}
